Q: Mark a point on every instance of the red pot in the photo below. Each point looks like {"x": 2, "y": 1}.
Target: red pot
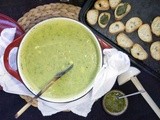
{"x": 15, "y": 73}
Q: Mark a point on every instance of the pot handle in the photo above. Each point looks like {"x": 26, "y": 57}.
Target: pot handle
{"x": 11, "y": 71}
{"x": 103, "y": 43}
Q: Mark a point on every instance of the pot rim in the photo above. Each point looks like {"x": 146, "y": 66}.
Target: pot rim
{"x": 73, "y": 98}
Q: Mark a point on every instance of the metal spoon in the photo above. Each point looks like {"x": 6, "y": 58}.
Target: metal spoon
{"x": 132, "y": 94}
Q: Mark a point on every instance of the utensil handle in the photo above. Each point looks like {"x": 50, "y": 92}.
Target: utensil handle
{"x": 7, "y": 51}
{"x": 23, "y": 109}
{"x": 146, "y": 96}
{"x": 132, "y": 94}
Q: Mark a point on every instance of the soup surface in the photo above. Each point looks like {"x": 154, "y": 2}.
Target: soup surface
{"x": 51, "y": 47}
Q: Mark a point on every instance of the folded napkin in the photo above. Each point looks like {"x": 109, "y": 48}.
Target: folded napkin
{"x": 115, "y": 63}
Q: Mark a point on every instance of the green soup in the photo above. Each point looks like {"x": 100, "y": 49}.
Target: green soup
{"x": 50, "y": 47}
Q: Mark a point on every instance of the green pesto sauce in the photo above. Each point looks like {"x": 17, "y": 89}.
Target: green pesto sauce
{"x": 104, "y": 19}
{"x": 113, "y": 104}
{"x": 122, "y": 9}
{"x": 51, "y": 48}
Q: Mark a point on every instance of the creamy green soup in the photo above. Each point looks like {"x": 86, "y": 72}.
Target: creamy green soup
{"x": 52, "y": 46}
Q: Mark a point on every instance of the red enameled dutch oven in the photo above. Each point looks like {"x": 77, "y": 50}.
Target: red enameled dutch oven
{"x": 16, "y": 43}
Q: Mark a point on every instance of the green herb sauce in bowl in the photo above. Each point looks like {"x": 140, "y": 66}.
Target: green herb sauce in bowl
{"x": 113, "y": 105}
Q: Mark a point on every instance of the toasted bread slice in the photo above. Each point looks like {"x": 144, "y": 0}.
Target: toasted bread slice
{"x": 144, "y": 33}
{"x": 122, "y": 10}
{"x": 92, "y": 16}
{"x": 155, "y": 26}
{"x": 114, "y": 3}
{"x": 124, "y": 41}
{"x": 101, "y": 5}
{"x": 155, "y": 50}
{"x": 103, "y": 19}
{"x": 138, "y": 52}
{"x": 116, "y": 27}
{"x": 133, "y": 24}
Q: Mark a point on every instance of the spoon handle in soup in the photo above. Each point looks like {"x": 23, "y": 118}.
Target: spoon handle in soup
{"x": 56, "y": 77}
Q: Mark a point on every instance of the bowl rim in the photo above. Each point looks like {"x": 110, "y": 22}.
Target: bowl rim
{"x": 73, "y": 98}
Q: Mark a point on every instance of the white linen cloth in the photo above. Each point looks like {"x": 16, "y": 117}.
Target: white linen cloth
{"x": 115, "y": 63}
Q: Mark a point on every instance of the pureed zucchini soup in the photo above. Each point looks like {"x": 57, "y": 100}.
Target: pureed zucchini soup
{"x": 50, "y": 47}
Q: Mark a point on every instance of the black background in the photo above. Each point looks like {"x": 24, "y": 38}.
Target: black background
{"x": 138, "y": 109}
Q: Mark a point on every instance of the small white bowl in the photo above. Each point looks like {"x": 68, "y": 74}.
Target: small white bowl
{"x": 113, "y": 102}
